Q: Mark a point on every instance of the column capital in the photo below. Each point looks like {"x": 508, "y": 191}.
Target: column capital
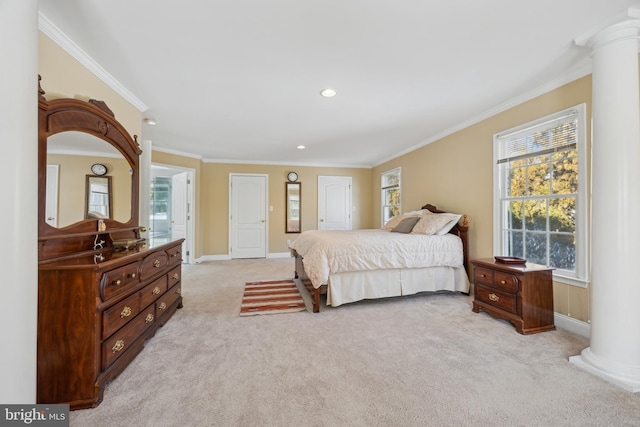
{"x": 622, "y": 27}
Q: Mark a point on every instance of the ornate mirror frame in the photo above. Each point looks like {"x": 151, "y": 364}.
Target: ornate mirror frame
{"x": 94, "y": 118}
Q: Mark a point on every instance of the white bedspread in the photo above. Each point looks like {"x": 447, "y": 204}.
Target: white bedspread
{"x": 327, "y": 252}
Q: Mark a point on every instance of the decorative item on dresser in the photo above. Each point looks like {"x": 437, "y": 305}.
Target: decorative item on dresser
{"x": 102, "y": 291}
{"x": 519, "y": 292}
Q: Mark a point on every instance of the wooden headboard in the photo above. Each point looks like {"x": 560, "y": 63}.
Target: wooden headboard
{"x": 460, "y": 230}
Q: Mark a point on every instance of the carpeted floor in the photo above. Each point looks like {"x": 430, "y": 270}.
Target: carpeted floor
{"x": 424, "y": 360}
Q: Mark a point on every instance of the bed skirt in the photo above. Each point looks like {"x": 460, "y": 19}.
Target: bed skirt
{"x": 349, "y": 287}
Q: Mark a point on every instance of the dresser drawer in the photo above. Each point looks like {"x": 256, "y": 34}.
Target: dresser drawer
{"x": 120, "y": 314}
{"x": 119, "y": 279}
{"x": 120, "y": 342}
{"x": 175, "y": 254}
{"x": 169, "y": 298}
{"x": 174, "y": 276}
{"x": 497, "y": 299}
{"x": 153, "y": 264}
{"x": 152, "y": 291}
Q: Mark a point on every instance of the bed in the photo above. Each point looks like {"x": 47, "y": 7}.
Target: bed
{"x": 353, "y": 265}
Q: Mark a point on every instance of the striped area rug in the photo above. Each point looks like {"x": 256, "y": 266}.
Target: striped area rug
{"x": 271, "y": 297}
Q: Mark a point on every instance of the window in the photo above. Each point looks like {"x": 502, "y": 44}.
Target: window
{"x": 390, "y": 198}
{"x": 540, "y": 191}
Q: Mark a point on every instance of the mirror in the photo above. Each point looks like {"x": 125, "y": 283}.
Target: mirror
{"x": 98, "y": 197}
{"x": 293, "y": 197}
{"x": 73, "y": 135}
{"x": 67, "y": 196}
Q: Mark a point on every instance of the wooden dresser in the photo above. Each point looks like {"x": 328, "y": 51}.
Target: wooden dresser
{"x": 102, "y": 289}
{"x": 95, "y": 313}
{"x": 519, "y": 293}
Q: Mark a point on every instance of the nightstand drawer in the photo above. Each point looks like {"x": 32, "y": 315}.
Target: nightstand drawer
{"x": 483, "y": 276}
{"x": 497, "y": 299}
{"x": 505, "y": 282}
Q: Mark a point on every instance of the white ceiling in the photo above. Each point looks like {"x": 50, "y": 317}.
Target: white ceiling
{"x": 239, "y": 80}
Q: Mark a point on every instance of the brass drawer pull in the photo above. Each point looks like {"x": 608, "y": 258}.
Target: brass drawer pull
{"x": 132, "y": 275}
{"x": 494, "y": 297}
{"x": 156, "y": 290}
{"x": 162, "y": 306}
{"x": 175, "y": 276}
{"x": 482, "y": 275}
{"x": 502, "y": 282}
{"x": 117, "y": 282}
{"x": 126, "y": 312}
{"x": 156, "y": 263}
{"x": 178, "y": 291}
{"x": 175, "y": 254}
{"x": 149, "y": 318}
{"x": 119, "y": 346}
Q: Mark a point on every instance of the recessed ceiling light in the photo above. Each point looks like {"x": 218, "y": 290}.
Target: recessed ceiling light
{"x": 150, "y": 122}
{"x": 301, "y": 147}
{"x": 328, "y": 92}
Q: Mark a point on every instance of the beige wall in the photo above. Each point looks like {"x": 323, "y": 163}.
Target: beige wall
{"x": 456, "y": 174}
{"x": 64, "y": 77}
{"x": 214, "y": 208}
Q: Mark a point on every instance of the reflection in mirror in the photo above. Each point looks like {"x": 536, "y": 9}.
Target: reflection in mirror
{"x": 294, "y": 197}
{"x": 98, "y": 197}
{"x": 73, "y": 153}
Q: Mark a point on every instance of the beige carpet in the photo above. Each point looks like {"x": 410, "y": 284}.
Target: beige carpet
{"x": 424, "y": 360}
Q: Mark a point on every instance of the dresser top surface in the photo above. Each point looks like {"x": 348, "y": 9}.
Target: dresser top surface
{"x": 493, "y": 264}
{"x": 107, "y": 258}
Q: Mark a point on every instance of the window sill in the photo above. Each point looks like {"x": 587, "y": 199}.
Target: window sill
{"x": 571, "y": 281}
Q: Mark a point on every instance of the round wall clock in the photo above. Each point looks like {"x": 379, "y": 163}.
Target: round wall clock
{"x": 98, "y": 169}
{"x": 292, "y": 176}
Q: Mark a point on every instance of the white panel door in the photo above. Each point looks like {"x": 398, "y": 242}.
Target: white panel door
{"x": 334, "y": 203}
{"x": 179, "y": 211}
{"x": 248, "y": 218}
{"x": 51, "y": 205}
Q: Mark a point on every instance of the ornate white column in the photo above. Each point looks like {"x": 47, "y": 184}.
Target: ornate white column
{"x": 19, "y": 213}
{"x": 614, "y": 352}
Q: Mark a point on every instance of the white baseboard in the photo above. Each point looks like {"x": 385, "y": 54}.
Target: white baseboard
{"x": 205, "y": 258}
{"x": 572, "y": 325}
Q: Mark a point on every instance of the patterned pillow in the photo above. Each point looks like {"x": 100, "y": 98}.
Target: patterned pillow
{"x": 430, "y": 224}
{"x": 453, "y": 220}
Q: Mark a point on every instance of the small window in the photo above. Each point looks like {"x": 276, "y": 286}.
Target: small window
{"x": 540, "y": 194}
{"x": 390, "y": 197}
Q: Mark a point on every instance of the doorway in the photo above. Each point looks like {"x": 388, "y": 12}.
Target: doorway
{"x": 171, "y": 207}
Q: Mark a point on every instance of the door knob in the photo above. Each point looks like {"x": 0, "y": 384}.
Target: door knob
{"x": 262, "y": 220}
{"x": 322, "y": 220}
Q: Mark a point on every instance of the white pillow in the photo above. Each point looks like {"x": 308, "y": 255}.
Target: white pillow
{"x": 453, "y": 220}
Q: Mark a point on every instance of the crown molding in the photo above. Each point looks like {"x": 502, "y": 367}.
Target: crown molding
{"x": 578, "y": 72}
{"x": 301, "y": 164}
{"x": 62, "y": 40}
{"x": 177, "y": 152}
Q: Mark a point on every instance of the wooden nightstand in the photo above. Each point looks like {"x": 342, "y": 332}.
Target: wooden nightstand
{"x": 519, "y": 293}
